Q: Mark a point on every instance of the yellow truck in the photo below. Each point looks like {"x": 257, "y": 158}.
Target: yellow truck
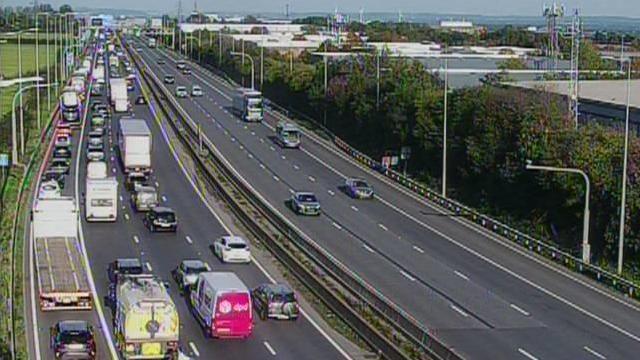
{"x": 145, "y": 318}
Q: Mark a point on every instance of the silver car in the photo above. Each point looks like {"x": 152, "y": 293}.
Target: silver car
{"x": 305, "y": 203}
{"x": 181, "y": 92}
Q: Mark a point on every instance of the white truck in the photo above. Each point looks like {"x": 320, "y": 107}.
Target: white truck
{"x": 146, "y": 323}
{"x": 98, "y": 74}
{"x": 134, "y": 145}
{"x": 62, "y": 278}
{"x": 247, "y": 104}
{"x": 118, "y": 95}
{"x": 152, "y": 42}
{"x": 101, "y": 199}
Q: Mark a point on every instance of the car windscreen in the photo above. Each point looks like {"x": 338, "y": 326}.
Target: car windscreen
{"x": 360, "y": 184}
{"x": 167, "y": 216}
{"x": 75, "y": 337}
{"x": 237, "y": 245}
{"x": 307, "y": 198}
{"x": 196, "y": 269}
{"x": 284, "y": 297}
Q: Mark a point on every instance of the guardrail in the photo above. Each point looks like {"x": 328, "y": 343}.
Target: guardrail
{"x": 369, "y": 297}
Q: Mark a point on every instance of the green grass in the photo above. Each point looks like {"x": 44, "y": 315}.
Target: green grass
{"x": 9, "y": 59}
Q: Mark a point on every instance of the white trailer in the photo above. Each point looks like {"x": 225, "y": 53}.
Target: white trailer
{"x": 118, "y": 95}
{"x": 62, "y": 278}
{"x": 134, "y": 145}
{"x": 101, "y": 199}
{"x": 247, "y": 103}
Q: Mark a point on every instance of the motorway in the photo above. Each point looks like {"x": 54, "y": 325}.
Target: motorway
{"x": 198, "y": 226}
{"x": 479, "y": 294}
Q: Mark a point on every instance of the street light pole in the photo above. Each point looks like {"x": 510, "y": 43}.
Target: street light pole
{"x": 37, "y": 74}
{"x": 13, "y": 121}
{"x": 220, "y": 48}
{"x": 444, "y": 131}
{"x": 586, "y": 248}
{"x": 377, "y": 79}
{"x": 19, "y": 88}
{"x": 252, "y": 66}
{"x": 624, "y": 176}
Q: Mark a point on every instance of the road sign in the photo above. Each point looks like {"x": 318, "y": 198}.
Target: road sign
{"x": 405, "y": 152}
{"x": 394, "y": 160}
{"x": 4, "y": 160}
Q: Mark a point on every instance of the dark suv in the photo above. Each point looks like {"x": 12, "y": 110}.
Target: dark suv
{"x": 161, "y": 219}
{"x": 275, "y": 301}
{"x": 73, "y": 339}
{"x": 124, "y": 266}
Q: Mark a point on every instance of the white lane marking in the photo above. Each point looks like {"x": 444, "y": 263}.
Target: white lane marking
{"x": 527, "y": 354}
{"x": 405, "y": 274}
{"x": 331, "y": 192}
{"x": 276, "y": 178}
{"x": 458, "y": 310}
{"x": 283, "y": 157}
{"x": 136, "y": 239}
{"x": 383, "y": 227}
{"x": 519, "y": 309}
{"x": 461, "y": 275}
{"x": 418, "y": 249}
{"x": 113, "y": 170}
{"x": 292, "y": 191}
{"x": 296, "y": 167}
{"x": 262, "y": 166}
{"x": 188, "y": 238}
{"x": 368, "y": 248}
{"x": 250, "y": 155}
{"x": 164, "y": 198}
{"x": 354, "y": 208}
{"x": 120, "y": 198}
{"x": 126, "y": 216}
{"x": 272, "y": 148}
{"x": 194, "y": 349}
{"x": 253, "y": 133}
{"x": 268, "y": 346}
{"x": 312, "y": 179}
{"x": 261, "y": 140}
{"x": 157, "y": 185}
{"x": 594, "y": 353}
{"x": 148, "y": 265}
{"x": 336, "y": 225}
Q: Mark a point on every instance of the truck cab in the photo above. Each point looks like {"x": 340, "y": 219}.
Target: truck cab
{"x": 144, "y": 197}
{"x": 248, "y": 104}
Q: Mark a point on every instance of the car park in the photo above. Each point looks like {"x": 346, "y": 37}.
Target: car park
{"x": 124, "y": 266}
{"x": 275, "y": 301}
{"x": 305, "y": 203}
{"x": 169, "y": 79}
{"x": 358, "y": 188}
{"x": 196, "y": 91}
{"x": 186, "y": 273}
{"x": 60, "y": 166}
{"x": 232, "y": 249}
{"x": 73, "y": 339}
{"x": 161, "y": 218}
{"x": 95, "y": 152}
{"x": 181, "y": 91}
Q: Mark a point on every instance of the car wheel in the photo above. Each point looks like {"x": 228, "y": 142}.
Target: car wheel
{"x": 263, "y": 314}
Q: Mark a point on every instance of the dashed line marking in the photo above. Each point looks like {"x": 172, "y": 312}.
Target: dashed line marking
{"x": 113, "y": 170}
{"x": 136, "y": 239}
{"x": 405, "y": 274}
{"x": 261, "y": 140}
{"x": 120, "y": 198}
{"x": 292, "y": 191}
{"x": 268, "y": 346}
{"x": 527, "y": 354}
{"x": 519, "y": 309}
{"x": 312, "y": 179}
{"x": 253, "y": 133}
{"x": 461, "y": 275}
{"x": 157, "y": 185}
{"x": 354, "y": 208}
{"x": 262, "y": 166}
{"x": 594, "y": 353}
{"x": 368, "y": 248}
{"x": 194, "y": 349}
{"x": 296, "y": 167}
{"x": 164, "y": 198}
{"x": 336, "y": 225}
{"x": 250, "y": 155}
{"x": 283, "y": 157}
{"x": 233, "y": 139}
{"x": 126, "y": 216}
{"x": 272, "y": 148}
{"x": 241, "y": 147}
{"x": 418, "y": 249}
{"x": 383, "y": 227}
{"x": 458, "y": 310}
{"x": 276, "y": 178}
{"x": 148, "y": 265}
{"x": 188, "y": 238}
{"x": 331, "y": 192}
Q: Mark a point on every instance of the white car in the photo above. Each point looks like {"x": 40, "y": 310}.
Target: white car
{"x": 181, "y": 92}
{"x": 232, "y": 249}
{"x": 196, "y": 91}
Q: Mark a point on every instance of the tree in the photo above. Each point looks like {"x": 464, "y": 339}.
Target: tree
{"x": 512, "y": 64}
{"x": 65, "y": 8}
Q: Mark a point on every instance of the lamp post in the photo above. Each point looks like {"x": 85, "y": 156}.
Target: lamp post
{"x": 243, "y": 55}
{"x": 586, "y": 248}
{"x": 444, "y": 129}
{"x": 14, "y": 136}
{"x": 48, "y": 59}
{"x": 623, "y": 203}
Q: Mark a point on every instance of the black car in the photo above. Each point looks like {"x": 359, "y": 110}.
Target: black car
{"x": 62, "y": 152}
{"x": 96, "y": 104}
{"x": 186, "y": 274}
{"x": 134, "y": 179}
{"x": 49, "y": 175}
{"x": 276, "y": 301}
{"x": 124, "y": 266}
{"x": 96, "y": 90}
{"x": 59, "y": 166}
{"x": 169, "y": 79}
{"x": 161, "y": 218}
{"x": 73, "y": 339}
{"x": 160, "y": 62}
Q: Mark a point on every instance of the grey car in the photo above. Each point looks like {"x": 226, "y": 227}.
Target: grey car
{"x": 305, "y": 203}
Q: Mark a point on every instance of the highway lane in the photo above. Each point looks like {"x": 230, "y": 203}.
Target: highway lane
{"x": 162, "y": 252}
{"x": 571, "y": 326}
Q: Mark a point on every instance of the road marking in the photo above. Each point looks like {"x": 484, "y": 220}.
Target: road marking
{"x": 268, "y": 346}
{"x": 458, "y": 310}
{"x": 136, "y": 239}
{"x": 120, "y": 198}
{"x": 233, "y": 139}
{"x": 354, "y": 208}
{"x": 157, "y": 185}
{"x": 189, "y": 239}
{"x": 126, "y": 216}
{"x": 276, "y": 178}
{"x": 461, "y": 275}
{"x": 296, "y": 167}
{"x": 148, "y": 265}
{"x": 194, "y": 349}
{"x": 368, "y": 248}
{"x": 272, "y": 148}
{"x": 262, "y": 166}
{"x": 241, "y": 147}
{"x": 336, "y": 225}
{"x": 312, "y": 179}
{"x": 526, "y": 354}
{"x": 331, "y": 192}
{"x": 405, "y": 274}
{"x": 113, "y": 170}
{"x": 418, "y": 249}
{"x": 519, "y": 309}
{"x": 250, "y": 155}
{"x": 594, "y": 353}
{"x": 292, "y": 191}
{"x": 253, "y": 133}
{"x": 164, "y": 198}
{"x": 383, "y": 227}
{"x": 261, "y": 140}
{"x": 283, "y": 157}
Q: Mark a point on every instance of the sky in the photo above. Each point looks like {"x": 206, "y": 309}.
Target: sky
{"x": 629, "y": 8}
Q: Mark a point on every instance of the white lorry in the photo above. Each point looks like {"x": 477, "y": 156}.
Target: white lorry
{"x": 101, "y": 199}
{"x": 146, "y": 322}
{"x": 118, "y": 95}
{"x": 62, "y": 279}
{"x": 247, "y": 104}
{"x": 134, "y": 145}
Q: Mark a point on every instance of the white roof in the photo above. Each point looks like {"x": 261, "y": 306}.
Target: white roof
{"x": 134, "y": 127}
{"x": 226, "y": 281}
{"x": 234, "y": 239}
{"x": 141, "y": 288}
